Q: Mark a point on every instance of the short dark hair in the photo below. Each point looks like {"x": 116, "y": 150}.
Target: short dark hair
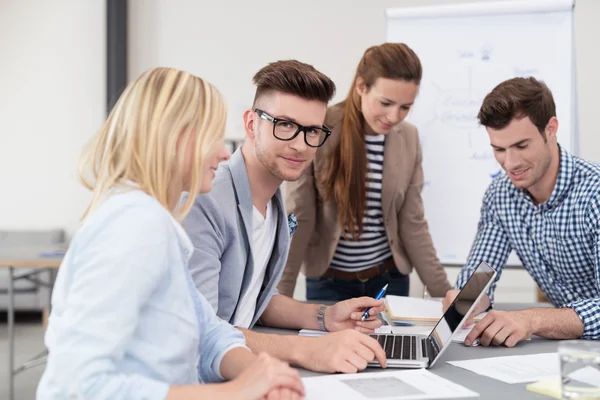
{"x": 518, "y": 98}
{"x": 296, "y": 78}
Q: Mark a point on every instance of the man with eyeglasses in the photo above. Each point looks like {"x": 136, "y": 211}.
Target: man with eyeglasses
{"x": 241, "y": 232}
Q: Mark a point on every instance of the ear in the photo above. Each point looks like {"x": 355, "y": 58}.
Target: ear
{"x": 551, "y": 128}
{"x": 361, "y": 87}
{"x": 250, "y": 122}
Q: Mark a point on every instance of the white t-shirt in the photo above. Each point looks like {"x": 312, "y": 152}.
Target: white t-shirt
{"x": 263, "y": 239}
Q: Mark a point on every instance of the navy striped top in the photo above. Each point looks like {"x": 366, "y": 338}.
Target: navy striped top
{"x": 372, "y": 247}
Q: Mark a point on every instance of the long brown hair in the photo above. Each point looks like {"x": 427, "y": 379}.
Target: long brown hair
{"x": 346, "y": 175}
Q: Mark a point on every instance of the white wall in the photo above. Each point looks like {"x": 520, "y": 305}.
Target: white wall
{"x": 52, "y": 96}
{"x": 227, "y": 42}
{"x": 52, "y": 75}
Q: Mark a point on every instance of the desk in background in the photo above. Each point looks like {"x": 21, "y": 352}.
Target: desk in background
{"x": 25, "y": 263}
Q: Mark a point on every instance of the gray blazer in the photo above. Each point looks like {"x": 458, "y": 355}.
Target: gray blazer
{"x": 220, "y": 227}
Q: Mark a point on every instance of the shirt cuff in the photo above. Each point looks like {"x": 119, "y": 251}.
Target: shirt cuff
{"x": 589, "y": 314}
{"x": 217, "y": 361}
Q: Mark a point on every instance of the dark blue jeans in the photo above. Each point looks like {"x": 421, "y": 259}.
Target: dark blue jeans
{"x": 335, "y": 289}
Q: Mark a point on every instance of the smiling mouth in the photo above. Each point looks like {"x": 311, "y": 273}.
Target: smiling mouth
{"x": 519, "y": 173}
{"x": 294, "y": 160}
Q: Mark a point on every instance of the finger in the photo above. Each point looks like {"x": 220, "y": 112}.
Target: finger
{"x": 501, "y": 336}
{"x": 344, "y": 367}
{"x": 369, "y": 324}
{"x": 373, "y": 312}
{"x": 513, "y": 339}
{"x": 283, "y": 368}
{"x": 356, "y": 316}
{"x": 273, "y": 395}
{"x": 358, "y": 362}
{"x": 376, "y": 310}
{"x": 491, "y": 332}
{"x": 478, "y": 329}
{"x": 375, "y": 347}
{"x": 363, "y": 330}
{"x": 285, "y": 394}
{"x": 372, "y": 317}
{"x": 365, "y": 302}
{"x": 364, "y": 352}
{"x": 286, "y": 381}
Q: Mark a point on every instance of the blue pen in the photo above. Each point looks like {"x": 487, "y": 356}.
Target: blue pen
{"x": 379, "y": 296}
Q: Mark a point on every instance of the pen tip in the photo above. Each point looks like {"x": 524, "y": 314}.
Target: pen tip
{"x": 385, "y": 287}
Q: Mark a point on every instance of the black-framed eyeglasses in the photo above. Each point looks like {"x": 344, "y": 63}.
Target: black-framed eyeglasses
{"x": 288, "y": 130}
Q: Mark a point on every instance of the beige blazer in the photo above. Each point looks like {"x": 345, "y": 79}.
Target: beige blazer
{"x": 318, "y": 233}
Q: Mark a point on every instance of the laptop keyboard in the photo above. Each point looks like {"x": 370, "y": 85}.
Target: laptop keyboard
{"x": 399, "y": 347}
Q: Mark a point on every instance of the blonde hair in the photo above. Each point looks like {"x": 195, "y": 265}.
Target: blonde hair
{"x": 138, "y": 141}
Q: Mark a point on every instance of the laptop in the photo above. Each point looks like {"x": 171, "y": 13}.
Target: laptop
{"x": 420, "y": 351}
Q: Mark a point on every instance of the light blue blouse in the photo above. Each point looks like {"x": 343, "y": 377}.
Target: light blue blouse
{"x": 127, "y": 321}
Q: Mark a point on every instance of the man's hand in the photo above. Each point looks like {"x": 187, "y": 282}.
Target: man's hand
{"x": 348, "y": 351}
{"x": 347, "y": 314}
{"x": 502, "y": 328}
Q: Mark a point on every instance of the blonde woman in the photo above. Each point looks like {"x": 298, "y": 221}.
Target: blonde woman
{"x": 127, "y": 321}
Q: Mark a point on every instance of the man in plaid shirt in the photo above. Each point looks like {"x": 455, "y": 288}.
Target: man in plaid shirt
{"x": 547, "y": 209}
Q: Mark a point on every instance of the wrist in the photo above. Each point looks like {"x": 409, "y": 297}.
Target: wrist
{"x": 299, "y": 351}
{"x": 322, "y": 318}
{"x": 533, "y": 320}
{"x": 233, "y": 390}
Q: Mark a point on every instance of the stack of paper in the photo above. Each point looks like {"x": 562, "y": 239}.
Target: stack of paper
{"x": 414, "y": 311}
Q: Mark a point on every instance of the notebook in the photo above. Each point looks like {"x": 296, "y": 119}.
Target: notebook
{"x": 415, "y": 311}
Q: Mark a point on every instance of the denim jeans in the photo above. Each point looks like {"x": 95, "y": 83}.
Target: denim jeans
{"x": 335, "y": 289}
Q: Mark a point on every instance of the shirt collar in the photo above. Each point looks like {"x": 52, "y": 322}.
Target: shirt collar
{"x": 184, "y": 240}
{"x": 566, "y": 172}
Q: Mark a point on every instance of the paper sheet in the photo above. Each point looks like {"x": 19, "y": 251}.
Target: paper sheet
{"x": 396, "y": 385}
{"x": 514, "y": 369}
{"x": 588, "y": 375}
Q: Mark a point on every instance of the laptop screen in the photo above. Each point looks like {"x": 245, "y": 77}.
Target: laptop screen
{"x": 452, "y": 319}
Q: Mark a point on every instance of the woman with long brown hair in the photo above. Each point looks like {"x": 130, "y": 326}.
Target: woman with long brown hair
{"x": 360, "y": 214}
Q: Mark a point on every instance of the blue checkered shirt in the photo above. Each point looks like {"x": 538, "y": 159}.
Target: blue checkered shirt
{"x": 557, "y": 241}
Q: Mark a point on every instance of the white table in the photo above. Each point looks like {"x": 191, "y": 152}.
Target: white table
{"x": 25, "y": 262}
{"x": 489, "y": 389}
